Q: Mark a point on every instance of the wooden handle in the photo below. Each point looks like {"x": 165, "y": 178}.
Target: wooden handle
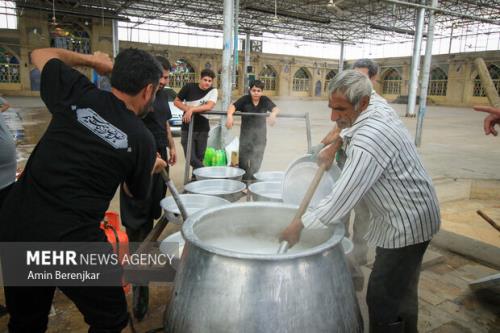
{"x": 489, "y": 87}
{"x": 305, "y": 202}
{"x": 310, "y": 192}
{"x": 153, "y": 235}
{"x": 488, "y": 219}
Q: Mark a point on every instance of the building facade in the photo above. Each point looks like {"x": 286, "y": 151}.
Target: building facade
{"x": 454, "y": 80}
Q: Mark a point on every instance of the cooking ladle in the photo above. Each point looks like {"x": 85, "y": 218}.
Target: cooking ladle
{"x": 305, "y": 202}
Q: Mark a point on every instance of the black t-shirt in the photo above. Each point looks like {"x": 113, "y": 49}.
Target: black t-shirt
{"x": 157, "y": 118}
{"x": 192, "y": 95}
{"x": 92, "y": 144}
{"x": 253, "y": 128}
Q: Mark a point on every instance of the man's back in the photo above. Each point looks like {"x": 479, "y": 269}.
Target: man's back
{"x": 402, "y": 202}
{"x": 92, "y": 144}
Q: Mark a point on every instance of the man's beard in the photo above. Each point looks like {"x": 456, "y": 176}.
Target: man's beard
{"x": 147, "y": 108}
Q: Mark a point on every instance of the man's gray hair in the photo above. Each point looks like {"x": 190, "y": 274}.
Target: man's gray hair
{"x": 352, "y": 84}
{"x": 371, "y": 65}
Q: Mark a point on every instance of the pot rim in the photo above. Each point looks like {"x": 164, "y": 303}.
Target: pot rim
{"x": 191, "y": 237}
{"x": 204, "y": 172}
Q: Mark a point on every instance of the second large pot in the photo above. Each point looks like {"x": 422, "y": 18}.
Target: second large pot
{"x": 230, "y": 279}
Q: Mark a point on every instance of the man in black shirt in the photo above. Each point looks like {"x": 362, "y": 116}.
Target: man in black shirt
{"x": 253, "y": 128}
{"x": 94, "y": 142}
{"x": 138, "y": 215}
{"x": 194, "y": 99}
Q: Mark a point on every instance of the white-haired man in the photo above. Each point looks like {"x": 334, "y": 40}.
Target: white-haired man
{"x": 384, "y": 169}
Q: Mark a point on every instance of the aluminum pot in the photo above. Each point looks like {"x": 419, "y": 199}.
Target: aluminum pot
{"x": 266, "y": 191}
{"x": 228, "y": 189}
{"x": 219, "y": 172}
{"x": 192, "y": 203}
{"x": 251, "y": 289}
{"x": 173, "y": 246}
{"x": 270, "y": 176}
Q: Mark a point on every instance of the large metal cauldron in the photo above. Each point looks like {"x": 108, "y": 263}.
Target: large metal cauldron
{"x": 218, "y": 289}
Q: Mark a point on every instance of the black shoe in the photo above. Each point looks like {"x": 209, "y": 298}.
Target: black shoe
{"x": 3, "y": 310}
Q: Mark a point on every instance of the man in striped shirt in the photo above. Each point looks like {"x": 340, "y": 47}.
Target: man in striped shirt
{"x": 384, "y": 169}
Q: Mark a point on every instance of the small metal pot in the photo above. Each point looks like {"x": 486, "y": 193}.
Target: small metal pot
{"x": 192, "y": 203}
{"x": 228, "y": 189}
{"x": 266, "y": 191}
{"x": 219, "y": 172}
{"x": 270, "y": 176}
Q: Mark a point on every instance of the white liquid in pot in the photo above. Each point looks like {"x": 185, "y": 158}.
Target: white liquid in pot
{"x": 249, "y": 245}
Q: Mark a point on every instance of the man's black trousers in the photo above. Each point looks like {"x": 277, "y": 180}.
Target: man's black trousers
{"x": 392, "y": 295}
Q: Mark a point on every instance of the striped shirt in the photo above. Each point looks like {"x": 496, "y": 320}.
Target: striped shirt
{"x": 382, "y": 168}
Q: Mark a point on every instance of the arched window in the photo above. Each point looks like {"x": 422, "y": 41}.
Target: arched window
{"x": 268, "y": 76}
{"x": 219, "y": 79}
{"x": 494, "y": 71}
{"x": 9, "y": 67}
{"x": 70, "y": 36}
{"x": 391, "y": 82}
{"x": 301, "y": 80}
{"x": 181, "y": 73}
{"x": 331, "y": 74}
{"x": 438, "y": 83}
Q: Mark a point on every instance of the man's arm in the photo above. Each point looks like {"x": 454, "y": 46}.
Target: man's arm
{"x": 198, "y": 109}
{"x": 99, "y": 61}
{"x": 331, "y": 136}
{"x": 178, "y": 103}
{"x": 171, "y": 146}
{"x": 272, "y": 117}
{"x": 203, "y": 108}
{"x": 360, "y": 173}
{"x": 230, "y": 111}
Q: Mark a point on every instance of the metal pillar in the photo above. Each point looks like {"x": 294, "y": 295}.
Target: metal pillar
{"x": 415, "y": 64}
{"x": 425, "y": 77}
{"x": 451, "y": 38}
{"x": 226, "y": 76}
{"x": 247, "y": 61}
{"x": 341, "y": 60}
{"x": 116, "y": 43}
{"x": 236, "y": 40}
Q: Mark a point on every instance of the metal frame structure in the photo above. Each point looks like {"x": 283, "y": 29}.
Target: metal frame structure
{"x": 324, "y": 21}
{"x": 187, "y": 165}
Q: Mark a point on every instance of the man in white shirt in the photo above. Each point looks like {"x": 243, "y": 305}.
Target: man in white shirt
{"x": 384, "y": 169}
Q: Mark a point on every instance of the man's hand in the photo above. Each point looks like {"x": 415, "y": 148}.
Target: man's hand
{"x": 292, "y": 233}
{"x": 491, "y": 120}
{"x": 327, "y": 154}
{"x": 331, "y": 136}
{"x": 271, "y": 120}
{"x": 188, "y": 113}
{"x": 229, "y": 122}
{"x": 172, "y": 156}
{"x": 159, "y": 164}
{"x": 102, "y": 63}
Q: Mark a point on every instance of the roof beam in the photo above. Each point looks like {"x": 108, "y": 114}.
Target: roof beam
{"x": 445, "y": 11}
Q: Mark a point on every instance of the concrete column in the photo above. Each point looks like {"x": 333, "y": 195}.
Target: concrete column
{"x": 415, "y": 64}
{"x": 425, "y": 77}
